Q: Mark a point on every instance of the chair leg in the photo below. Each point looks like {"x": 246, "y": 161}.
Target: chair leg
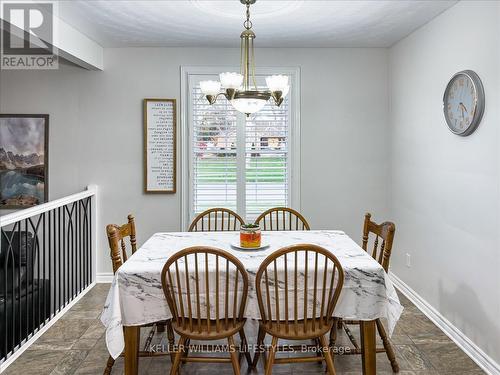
{"x": 185, "y": 353}
{"x": 171, "y": 339}
{"x": 178, "y": 355}
{"x": 244, "y": 347}
{"x": 317, "y": 342}
{"x": 234, "y": 355}
{"x": 389, "y": 350}
{"x": 109, "y": 366}
{"x": 151, "y": 334}
{"x": 328, "y": 355}
{"x": 351, "y": 336}
{"x": 260, "y": 347}
{"x": 272, "y": 355}
{"x": 333, "y": 333}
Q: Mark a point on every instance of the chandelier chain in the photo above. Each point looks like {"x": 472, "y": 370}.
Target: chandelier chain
{"x": 248, "y": 23}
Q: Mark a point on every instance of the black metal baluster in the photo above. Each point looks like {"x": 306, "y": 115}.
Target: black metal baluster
{"x": 26, "y": 286}
{"x": 56, "y": 261}
{"x": 37, "y": 277}
{"x": 59, "y": 247}
{"x": 89, "y": 239}
{"x": 80, "y": 283}
{"x": 5, "y": 343}
{"x": 48, "y": 313}
{"x": 73, "y": 252}
{"x": 65, "y": 260}
{"x": 41, "y": 311}
{"x": 69, "y": 279}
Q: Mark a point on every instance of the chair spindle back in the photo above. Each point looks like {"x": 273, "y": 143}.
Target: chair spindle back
{"x": 298, "y": 286}
{"x": 116, "y": 239}
{"x": 206, "y": 289}
{"x": 384, "y": 235}
{"x": 282, "y": 218}
{"x": 216, "y": 219}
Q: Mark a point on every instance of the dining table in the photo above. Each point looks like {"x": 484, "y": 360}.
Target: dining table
{"x": 136, "y": 296}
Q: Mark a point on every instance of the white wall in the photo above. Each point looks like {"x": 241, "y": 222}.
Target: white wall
{"x": 96, "y": 130}
{"x": 445, "y": 188}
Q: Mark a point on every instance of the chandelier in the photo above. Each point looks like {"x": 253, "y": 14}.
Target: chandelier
{"x": 240, "y": 89}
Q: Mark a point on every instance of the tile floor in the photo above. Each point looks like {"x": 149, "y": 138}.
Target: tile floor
{"x": 75, "y": 345}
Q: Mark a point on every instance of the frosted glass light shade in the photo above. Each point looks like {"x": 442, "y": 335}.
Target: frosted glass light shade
{"x": 210, "y": 87}
{"x": 278, "y": 83}
{"x": 231, "y": 80}
{"x": 247, "y": 105}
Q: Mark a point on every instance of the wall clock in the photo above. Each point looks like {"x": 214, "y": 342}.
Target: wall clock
{"x": 463, "y": 102}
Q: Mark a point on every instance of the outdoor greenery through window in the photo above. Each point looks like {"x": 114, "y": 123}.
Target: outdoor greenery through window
{"x": 238, "y": 162}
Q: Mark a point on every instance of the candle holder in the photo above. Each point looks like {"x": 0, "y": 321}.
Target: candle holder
{"x": 250, "y": 236}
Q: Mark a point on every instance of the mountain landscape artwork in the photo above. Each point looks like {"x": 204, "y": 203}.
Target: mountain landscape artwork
{"x": 23, "y": 160}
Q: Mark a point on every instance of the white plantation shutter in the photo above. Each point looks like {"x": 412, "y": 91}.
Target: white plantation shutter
{"x": 266, "y": 159}
{"x": 237, "y": 162}
{"x": 213, "y": 154}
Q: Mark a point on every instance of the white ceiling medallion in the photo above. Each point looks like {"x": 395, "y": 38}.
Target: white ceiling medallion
{"x": 241, "y": 88}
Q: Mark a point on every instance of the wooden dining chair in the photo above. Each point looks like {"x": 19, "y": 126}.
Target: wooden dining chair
{"x": 282, "y": 218}
{"x": 117, "y": 234}
{"x": 380, "y": 248}
{"x": 216, "y": 219}
{"x": 206, "y": 289}
{"x": 297, "y": 289}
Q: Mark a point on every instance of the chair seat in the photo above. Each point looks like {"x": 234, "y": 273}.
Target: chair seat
{"x": 286, "y": 330}
{"x": 208, "y": 332}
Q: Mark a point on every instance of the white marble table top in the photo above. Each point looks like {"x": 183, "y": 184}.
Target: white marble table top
{"x": 136, "y": 296}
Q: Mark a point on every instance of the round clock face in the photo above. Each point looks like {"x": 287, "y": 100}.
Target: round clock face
{"x": 464, "y": 102}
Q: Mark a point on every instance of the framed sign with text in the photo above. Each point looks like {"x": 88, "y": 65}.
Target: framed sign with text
{"x": 159, "y": 145}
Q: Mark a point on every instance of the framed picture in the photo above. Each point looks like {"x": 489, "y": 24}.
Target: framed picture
{"x": 23, "y": 160}
{"x": 159, "y": 145}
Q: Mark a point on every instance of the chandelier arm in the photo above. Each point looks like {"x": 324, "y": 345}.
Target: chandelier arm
{"x": 213, "y": 98}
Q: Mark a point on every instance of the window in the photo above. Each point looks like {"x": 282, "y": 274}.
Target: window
{"x": 243, "y": 163}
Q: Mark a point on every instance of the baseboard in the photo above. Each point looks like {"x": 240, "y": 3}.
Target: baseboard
{"x": 49, "y": 324}
{"x": 104, "y": 277}
{"x": 482, "y": 359}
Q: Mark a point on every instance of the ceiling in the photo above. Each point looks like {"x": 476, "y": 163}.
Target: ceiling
{"x": 277, "y": 23}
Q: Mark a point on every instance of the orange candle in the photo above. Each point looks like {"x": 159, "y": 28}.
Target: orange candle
{"x": 250, "y": 236}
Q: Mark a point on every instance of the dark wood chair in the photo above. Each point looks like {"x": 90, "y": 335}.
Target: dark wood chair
{"x": 118, "y": 251}
{"x": 381, "y": 249}
{"x": 206, "y": 289}
{"x": 282, "y": 218}
{"x": 297, "y": 289}
{"x": 216, "y": 219}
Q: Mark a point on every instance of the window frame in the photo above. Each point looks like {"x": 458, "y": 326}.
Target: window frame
{"x": 191, "y": 72}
